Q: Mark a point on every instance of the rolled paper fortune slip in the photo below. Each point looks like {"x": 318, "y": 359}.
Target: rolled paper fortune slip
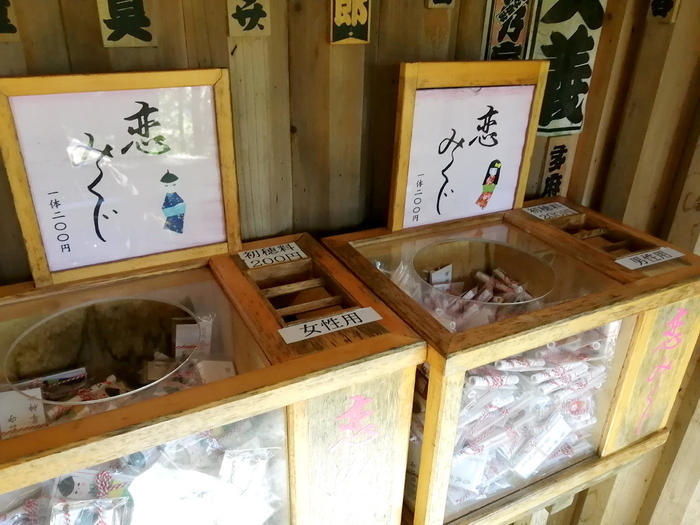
{"x": 494, "y": 437}
{"x": 522, "y": 297}
{"x": 468, "y": 470}
{"x": 511, "y": 283}
{"x": 493, "y": 381}
{"x": 503, "y": 400}
{"x": 564, "y": 381}
{"x": 553, "y": 435}
{"x": 481, "y": 276}
{"x": 565, "y": 453}
{"x": 579, "y": 424}
{"x": 470, "y": 294}
{"x": 484, "y": 296}
{"x": 565, "y": 371}
{"x": 579, "y": 407}
{"x": 496, "y": 469}
{"x": 519, "y": 363}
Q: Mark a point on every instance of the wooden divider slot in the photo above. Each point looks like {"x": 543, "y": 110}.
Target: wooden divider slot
{"x": 285, "y": 289}
{"x": 299, "y": 290}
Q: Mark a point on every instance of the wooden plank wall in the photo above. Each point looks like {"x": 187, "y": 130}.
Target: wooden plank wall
{"x": 314, "y": 123}
{"x": 314, "y": 128}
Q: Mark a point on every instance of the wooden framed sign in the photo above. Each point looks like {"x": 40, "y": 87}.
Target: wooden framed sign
{"x": 464, "y": 137}
{"x": 120, "y": 172}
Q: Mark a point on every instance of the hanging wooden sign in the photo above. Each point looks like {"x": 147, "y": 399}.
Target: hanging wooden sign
{"x": 559, "y": 160}
{"x": 431, "y": 4}
{"x": 566, "y": 33}
{"x": 663, "y": 11}
{"x": 506, "y": 29}
{"x": 125, "y": 23}
{"x": 350, "y": 21}
{"x": 248, "y": 18}
{"x": 9, "y": 32}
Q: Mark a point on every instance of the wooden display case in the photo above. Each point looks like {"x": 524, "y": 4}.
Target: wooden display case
{"x": 644, "y": 380}
{"x": 344, "y": 389}
{"x": 579, "y": 270}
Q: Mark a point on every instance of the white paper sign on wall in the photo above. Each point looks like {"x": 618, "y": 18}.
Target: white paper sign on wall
{"x": 466, "y": 150}
{"x": 121, "y": 174}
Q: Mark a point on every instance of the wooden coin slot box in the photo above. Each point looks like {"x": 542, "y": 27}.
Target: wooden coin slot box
{"x": 529, "y": 400}
{"x": 625, "y": 253}
{"x": 162, "y": 371}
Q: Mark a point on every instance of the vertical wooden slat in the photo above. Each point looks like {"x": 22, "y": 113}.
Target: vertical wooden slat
{"x": 206, "y": 30}
{"x": 259, "y": 71}
{"x": 617, "y": 48}
{"x": 14, "y": 266}
{"x": 657, "y": 114}
{"x": 41, "y": 51}
{"x": 346, "y": 90}
{"x": 408, "y": 32}
{"x": 83, "y": 37}
{"x": 675, "y": 481}
{"x": 683, "y": 226}
{"x": 470, "y": 28}
{"x": 43, "y": 38}
{"x": 440, "y": 432}
{"x": 326, "y": 91}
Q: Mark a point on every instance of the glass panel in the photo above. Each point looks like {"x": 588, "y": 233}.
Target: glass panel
{"x": 235, "y": 473}
{"x": 482, "y": 274}
{"x": 68, "y": 357}
{"x": 527, "y": 416}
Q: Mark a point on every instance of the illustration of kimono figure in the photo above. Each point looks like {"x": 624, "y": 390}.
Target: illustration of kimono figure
{"x": 174, "y": 211}
{"x": 173, "y": 205}
{"x": 489, "y": 184}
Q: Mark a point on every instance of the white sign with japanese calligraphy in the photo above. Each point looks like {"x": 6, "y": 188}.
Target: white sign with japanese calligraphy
{"x": 466, "y": 150}
{"x": 19, "y": 412}
{"x": 565, "y": 32}
{"x": 551, "y": 210}
{"x": 326, "y": 325}
{"x": 641, "y": 260}
{"x": 279, "y": 253}
{"x": 121, "y": 174}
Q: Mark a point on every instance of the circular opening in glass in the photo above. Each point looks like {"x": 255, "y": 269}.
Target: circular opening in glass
{"x": 471, "y": 256}
{"x": 101, "y": 351}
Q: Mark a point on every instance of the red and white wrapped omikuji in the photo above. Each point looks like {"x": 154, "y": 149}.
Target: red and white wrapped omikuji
{"x": 527, "y": 415}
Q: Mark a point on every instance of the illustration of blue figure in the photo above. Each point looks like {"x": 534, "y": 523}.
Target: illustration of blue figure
{"x": 173, "y": 205}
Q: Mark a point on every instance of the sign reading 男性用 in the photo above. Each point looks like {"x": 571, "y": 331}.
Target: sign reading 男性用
{"x": 648, "y": 258}
{"x": 279, "y": 253}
